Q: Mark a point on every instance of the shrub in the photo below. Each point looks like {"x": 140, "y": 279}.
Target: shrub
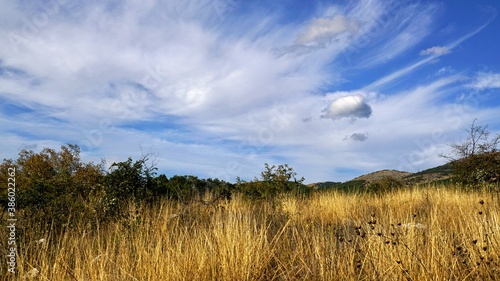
{"x": 52, "y": 186}
{"x": 126, "y": 181}
{"x": 274, "y": 180}
{"x": 383, "y": 185}
{"x": 476, "y": 160}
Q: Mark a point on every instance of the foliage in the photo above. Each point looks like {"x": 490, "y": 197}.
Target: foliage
{"x": 50, "y": 183}
{"x": 378, "y": 186}
{"x": 324, "y": 185}
{"x": 476, "y": 160}
{"x": 190, "y": 188}
{"x": 56, "y": 186}
{"x": 383, "y": 185}
{"x": 352, "y": 186}
{"x": 274, "y": 180}
{"x": 126, "y": 181}
{"x": 478, "y": 169}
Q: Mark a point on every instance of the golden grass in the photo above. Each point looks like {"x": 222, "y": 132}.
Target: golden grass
{"x": 425, "y": 234}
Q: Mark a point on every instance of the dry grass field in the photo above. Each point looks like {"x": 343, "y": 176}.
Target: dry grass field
{"x": 431, "y": 233}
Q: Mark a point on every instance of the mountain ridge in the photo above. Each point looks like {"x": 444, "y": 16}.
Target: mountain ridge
{"x": 432, "y": 175}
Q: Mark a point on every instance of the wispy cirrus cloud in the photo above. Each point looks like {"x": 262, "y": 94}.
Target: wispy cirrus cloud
{"x": 485, "y": 80}
{"x": 409, "y": 68}
{"x": 323, "y": 30}
{"x": 437, "y": 50}
{"x": 398, "y": 29}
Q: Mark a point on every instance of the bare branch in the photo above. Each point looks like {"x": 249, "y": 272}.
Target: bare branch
{"x": 477, "y": 142}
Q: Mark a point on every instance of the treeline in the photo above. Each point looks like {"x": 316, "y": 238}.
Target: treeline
{"x": 57, "y": 187}
{"x": 53, "y": 186}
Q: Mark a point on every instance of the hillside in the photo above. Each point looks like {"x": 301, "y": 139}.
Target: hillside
{"x": 383, "y": 174}
{"x": 436, "y": 174}
{"x": 432, "y": 175}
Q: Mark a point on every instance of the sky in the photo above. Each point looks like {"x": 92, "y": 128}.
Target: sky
{"x": 215, "y": 89}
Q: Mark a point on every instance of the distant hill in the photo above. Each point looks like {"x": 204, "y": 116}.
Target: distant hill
{"x": 326, "y": 184}
{"x": 383, "y": 174}
{"x": 434, "y": 175}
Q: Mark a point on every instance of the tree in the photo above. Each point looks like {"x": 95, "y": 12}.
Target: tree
{"x": 128, "y": 180}
{"x": 274, "y": 180}
{"x": 477, "y": 159}
{"x": 383, "y": 185}
{"x": 54, "y": 182}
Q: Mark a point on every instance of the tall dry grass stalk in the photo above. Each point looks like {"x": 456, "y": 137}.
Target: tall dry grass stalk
{"x": 425, "y": 234}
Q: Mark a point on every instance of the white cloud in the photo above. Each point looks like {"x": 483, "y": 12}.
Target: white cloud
{"x": 486, "y": 80}
{"x": 445, "y": 70}
{"x": 353, "y": 106}
{"x": 322, "y": 30}
{"x": 437, "y": 51}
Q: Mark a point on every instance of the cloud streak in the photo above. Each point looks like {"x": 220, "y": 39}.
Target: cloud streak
{"x": 323, "y": 30}
{"x": 408, "y": 69}
{"x": 437, "y": 51}
{"x": 485, "y": 80}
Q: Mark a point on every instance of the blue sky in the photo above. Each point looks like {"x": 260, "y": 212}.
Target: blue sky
{"x": 218, "y": 88}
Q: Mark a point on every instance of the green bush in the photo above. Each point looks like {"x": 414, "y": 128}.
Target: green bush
{"x": 476, "y": 161}
{"x": 477, "y": 169}
{"x": 126, "y": 181}
{"x": 383, "y": 185}
{"x": 274, "y": 180}
{"x": 54, "y": 186}
{"x": 190, "y": 188}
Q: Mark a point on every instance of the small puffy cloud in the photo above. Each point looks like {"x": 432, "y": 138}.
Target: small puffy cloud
{"x": 445, "y": 70}
{"x": 322, "y": 30}
{"x": 353, "y": 106}
{"x": 486, "y": 80}
{"x": 437, "y": 50}
{"x": 357, "y": 137}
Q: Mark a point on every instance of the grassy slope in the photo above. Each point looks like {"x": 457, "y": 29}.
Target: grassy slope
{"x": 424, "y": 234}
